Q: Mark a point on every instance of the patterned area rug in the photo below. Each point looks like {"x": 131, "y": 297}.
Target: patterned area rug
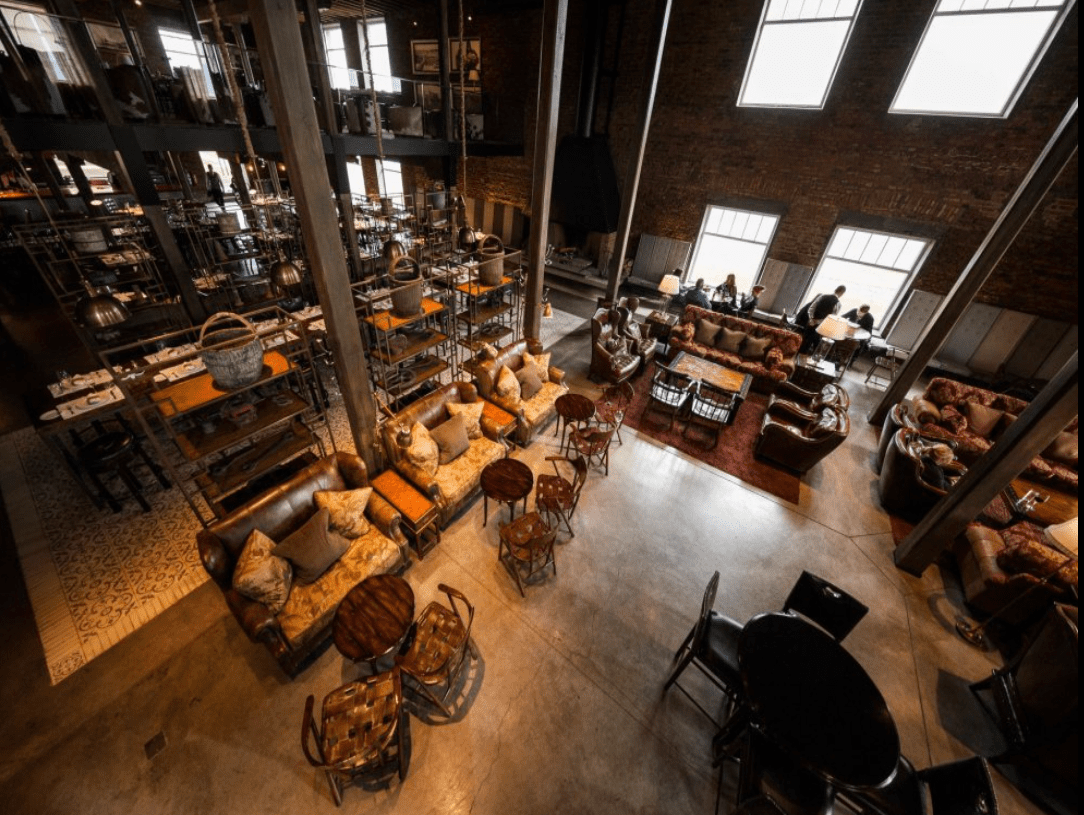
{"x": 93, "y": 576}
{"x": 734, "y": 452}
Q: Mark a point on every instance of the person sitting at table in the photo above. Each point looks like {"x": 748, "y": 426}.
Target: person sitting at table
{"x": 863, "y": 319}
{"x": 749, "y": 301}
{"x": 812, "y": 314}
{"x": 728, "y": 291}
{"x": 697, "y": 296}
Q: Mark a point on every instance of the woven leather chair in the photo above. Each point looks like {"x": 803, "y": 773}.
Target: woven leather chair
{"x": 362, "y": 730}
{"x": 439, "y": 648}
{"x": 593, "y": 444}
{"x": 557, "y": 495}
{"x": 527, "y": 544}
{"x": 709, "y": 407}
{"x": 956, "y": 788}
{"x": 669, "y": 393}
{"x": 825, "y": 604}
{"x": 712, "y": 647}
{"x": 799, "y": 443}
{"x": 613, "y": 407}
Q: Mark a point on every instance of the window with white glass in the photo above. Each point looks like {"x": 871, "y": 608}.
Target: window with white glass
{"x": 976, "y": 56}
{"x": 732, "y": 241}
{"x": 876, "y": 268}
{"x": 183, "y": 52}
{"x": 390, "y": 174}
{"x": 39, "y": 32}
{"x": 342, "y": 78}
{"x": 381, "y": 59}
{"x": 355, "y": 177}
{"x": 797, "y": 51}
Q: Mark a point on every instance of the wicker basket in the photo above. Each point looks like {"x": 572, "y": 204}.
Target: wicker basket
{"x": 231, "y": 350}
{"x": 406, "y": 287}
{"x": 491, "y": 267}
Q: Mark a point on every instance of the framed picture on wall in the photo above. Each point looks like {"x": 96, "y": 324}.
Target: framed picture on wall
{"x": 425, "y": 56}
{"x": 429, "y": 95}
{"x": 472, "y": 46}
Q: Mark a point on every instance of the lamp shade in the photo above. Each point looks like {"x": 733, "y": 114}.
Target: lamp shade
{"x": 833, "y": 328}
{"x": 670, "y": 284}
{"x": 100, "y": 309}
{"x": 1064, "y": 535}
{"x": 285, "y": 274}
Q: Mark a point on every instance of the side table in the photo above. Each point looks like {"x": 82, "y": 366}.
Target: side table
{"x": 374, "y": 618}
{"x": 419, "y": 514}
{"x": 659, "y": 324}
{"x": 813, "y": 375}
{"x": 505, "y": 422}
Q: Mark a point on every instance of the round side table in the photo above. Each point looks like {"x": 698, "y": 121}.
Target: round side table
{"x": 506, "y": 481}
{"x": 374, "y": 618}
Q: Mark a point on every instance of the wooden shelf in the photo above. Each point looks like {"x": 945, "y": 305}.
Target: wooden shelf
{"x": 476, "y": 289}
{"x": 201, "y": 391}
{"x": 434, "y": 367}
{"x": 195, "y": 444}
{"x": 433, "y": 338}
{"x": 386, "y": 321}
{"x": 262, "y": 456}
{"x": 478, "y": 342}
{"x": 484, "y": 315}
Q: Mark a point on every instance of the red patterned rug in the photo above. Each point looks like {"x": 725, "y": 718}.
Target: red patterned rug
{"x": 733, "y": 454}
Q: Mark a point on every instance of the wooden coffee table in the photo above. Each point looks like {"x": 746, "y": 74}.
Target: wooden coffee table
{"x": 418, "y": 514}
{"x": 1057, "y": 508}
{"x": 506, "y": 481}
{"x": 716, "y": 375}
{"x": 572, "y": 407}
{"x": 374, "y": 618}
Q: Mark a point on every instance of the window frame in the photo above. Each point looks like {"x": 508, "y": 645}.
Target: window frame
{"x": 1022, "y": 81}
{"x": 759, "y": 271}
{"x": 756, "y": 45}
{"x": 381, "y": 177}
{"x": 197, "y": 52}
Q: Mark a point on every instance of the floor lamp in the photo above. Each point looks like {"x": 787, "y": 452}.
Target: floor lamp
{"x": 1063, "y": 537}
{"x": 668, "y": 287}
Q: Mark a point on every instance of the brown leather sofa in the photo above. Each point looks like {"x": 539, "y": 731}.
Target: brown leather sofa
{"x": 305, "y": 622}
{"x": 798, "y": 440}
{"x": 611, "y": 359}
{"x": 458, "y": 482}
{"x": 534, "y": 413}
{"x": 904, "y": 488}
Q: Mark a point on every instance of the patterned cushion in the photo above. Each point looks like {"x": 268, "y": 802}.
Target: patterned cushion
{"x": 260, "y": 575}
{"x": 1022, "y": 553}
{"x": 541, "y": 362}
{"x": 981, "y": 419}
{"x": 311, "y": 607}
{"x": 529, "y": 383}
{"x": 471, "y": 413}
{"x": 953, "y": 420}
{"x": 423, "y": 451}
{"x": 507, "y": 389}
{"x": 773, "y": 357}
{"x": 755, "y": 347}
{"x": 346, "y": 510}
{"x": 730, "y": 341}
{"x": 458, "y": 478}
{"x": 1063, "y": 449}
{"x": 451, "y": 438}
{"x": 312, "y": 548}
{"x": 540, "y": 407}
{"x": 706, "y": 332}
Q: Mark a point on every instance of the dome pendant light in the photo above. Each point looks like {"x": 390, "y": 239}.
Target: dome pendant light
{"x": 100, "y": 308}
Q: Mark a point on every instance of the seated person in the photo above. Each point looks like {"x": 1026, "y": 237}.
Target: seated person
{"x": 728, "y": 291}
{"x": 749, "y": 301}
{"x": 698, "y": 296}
{"x": 863, "y": 319}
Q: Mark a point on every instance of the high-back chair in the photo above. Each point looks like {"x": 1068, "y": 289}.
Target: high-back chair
{"x": 709, "y": 407}
{"x": 825, "y": 604}
{"x": 558, "y": 496}
{"x": 956, "y": 788}
{"x": 593, "y": 444}
{"x": 526, "y": 548}
{"x": 612, "y": 409}
{"x": 668, "y": 394}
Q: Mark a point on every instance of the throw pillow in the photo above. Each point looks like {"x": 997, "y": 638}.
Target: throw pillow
{"x": 1063, "y": 449}
{"x": 953, "y": 421}
{"x": 471, "y": 413}
{"x": 616, "y": 345}
{"x": 541, "y": 362}
{"x": 982, "y": 419}
{"x": 754, "y": 348}
{"x": 346, "y": 509}
{"x": 487, "y": 351}
{"x": 507, "y": 389}
{"x": 774, "y": 356}
{"x": 729, "y": 341}
{"x": 706, "y": 332}
{"x": 423, "y": 452}
{"x": 1032, "y": 557}
{"x": 529, "y": 382}
{"x": 451, "y": 438}
{"x": 312, "y": 548}
{"x": 260, "y": 575}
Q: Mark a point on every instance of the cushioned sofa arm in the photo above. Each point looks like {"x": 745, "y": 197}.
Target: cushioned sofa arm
{"x": 787, "y": 365}
{"x": 557, "y": 376}
{"x": 255, "y": 618}
{"x": 925, "y": 411}
{"x": 386, "y": 518}
{"x": 421, "y": 480}
{"x": 216, "y": 560}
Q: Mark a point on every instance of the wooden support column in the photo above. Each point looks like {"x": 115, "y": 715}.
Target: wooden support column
{"x": 648, "y": 88}
{"x": 279, "y": 43}
{"x": 318, "y": 55}
{"x": 1058, "y": 151}
{"x": 1041, "y": 421}
{"x": 450, "y": 171}
{"x": 239, "y": 179}
{"x": 554, "y": 15}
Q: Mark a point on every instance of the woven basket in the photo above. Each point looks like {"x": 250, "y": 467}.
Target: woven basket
{"x": 406, "y": 291}
{"x": 231, "y": 350}
{"x": 491, "y": 267}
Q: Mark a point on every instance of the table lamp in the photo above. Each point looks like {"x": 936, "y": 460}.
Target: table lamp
{"x": 832, "y": 328}
{"x": 668, "y": 287}
{"x": 1062, "y": 537}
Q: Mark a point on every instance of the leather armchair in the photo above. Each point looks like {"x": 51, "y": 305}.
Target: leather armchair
{"x": 534, "y": 413}
{"x": 455, "y": 484}
{"x": 640, "y": 345}
{"x": 798, "y": 442}
{"x": 277, "y": 513}
{"x": 905, "y": 486}
{"x": 812, "y": 401}
{"x": 610, "y": 364}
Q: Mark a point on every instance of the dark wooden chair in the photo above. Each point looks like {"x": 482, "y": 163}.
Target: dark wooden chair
{"x": 825, "y": 604}
{"x": 558, "y": 496}
{"x": 770, "y": 773}
{"x": 614, "y": 406}
{"x": 712, "y": 647}
{"x": 956, "y": 788}
{"x": 526, "y": 547}
{"x": 709, "y": 407}
{"x": 668, "y": 394}
{"x": 593, "y": 445}
{"x": 437, "y": 654}
{"x": 362, "y": 731}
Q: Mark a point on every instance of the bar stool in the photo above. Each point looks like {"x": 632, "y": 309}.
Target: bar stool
{"x": 112, "y": 452}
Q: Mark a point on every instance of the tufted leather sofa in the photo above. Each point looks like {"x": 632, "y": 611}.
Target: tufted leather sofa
{"x": 780, "y": 358}
{"x": 797, "y": 439}
{"x": 536, "y": 412}
{"x": 305, "y": 622}
{"x": 459, "y": 481}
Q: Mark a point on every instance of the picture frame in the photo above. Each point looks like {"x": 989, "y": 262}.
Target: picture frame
{"x": 425, "y": 56}
{"x": 470, "y": 44}
{"x": 429, "y": 95}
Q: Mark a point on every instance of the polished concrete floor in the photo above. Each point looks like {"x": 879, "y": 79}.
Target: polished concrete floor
{"x": 563, "y": 710}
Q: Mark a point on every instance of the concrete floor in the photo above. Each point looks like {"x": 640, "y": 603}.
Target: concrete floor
{"x": 562, "y": 712}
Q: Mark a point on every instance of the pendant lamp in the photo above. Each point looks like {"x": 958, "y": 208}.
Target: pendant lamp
{"x": 285, "y": 274}
{"x": 100, "y": 309}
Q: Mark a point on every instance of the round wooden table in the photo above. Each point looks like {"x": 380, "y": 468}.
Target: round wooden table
{"x": 811, "y": 698}
{"x": 374, "y": 618}
{"x": 571, "y": 407}
{"x": 506, "y": 481}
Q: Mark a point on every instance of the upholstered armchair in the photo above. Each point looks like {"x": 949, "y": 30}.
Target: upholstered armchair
{"x": 457, "y": 482}
{"x": 611, "y": 359}
{"x": 798, "y": 443}
{"x": 640, "y": 344}
{"x": 535, "y": 412}
{"x": 907, "y": 485}
{"x": 830, "y": 395}
{"x": 304, "y": 622}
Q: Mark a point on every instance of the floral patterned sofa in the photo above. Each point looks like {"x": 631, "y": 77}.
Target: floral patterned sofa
{"x": 767, "y": 352}
{"x": 974, "y": 418}
{"x": 535, "y": 412}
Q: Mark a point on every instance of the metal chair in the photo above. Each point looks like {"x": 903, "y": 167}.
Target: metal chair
{"x": 668, "y": 394}
{"x": 438, "y": 651}
{"x": 557, "y": 495}
{"x": 825, "y": 604}
{"x": 593, "y": 444}
{"x": 889, "y": 362}
{"x": 956, "y": 788}
{"x": 712, "y": 647}
{"x": 362, "y": 730}
{"x": 527, "y": 543}
{"x": 711, "y": 407}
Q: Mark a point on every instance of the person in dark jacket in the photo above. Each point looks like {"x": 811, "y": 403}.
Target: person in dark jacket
{"x": 813, "y": 313}
{"x": 861, "y": 317}
{"x": 749, "y": 301}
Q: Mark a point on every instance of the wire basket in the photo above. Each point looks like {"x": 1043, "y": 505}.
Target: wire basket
{"x": 231, "y": 350}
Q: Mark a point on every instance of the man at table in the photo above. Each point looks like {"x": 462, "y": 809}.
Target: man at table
{"x": 813, "y": 313}
{"x": 697, "y": 296}
{"x": 863, "y": 319}
{"x": 749, "y": 301}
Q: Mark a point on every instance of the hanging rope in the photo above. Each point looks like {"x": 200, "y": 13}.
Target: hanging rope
{"x": 239, "y": 102}
{"x": 372, "y": 93}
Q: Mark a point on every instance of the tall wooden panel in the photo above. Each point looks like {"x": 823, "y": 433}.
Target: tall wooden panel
{"x": 1035, "y": 346}
{"x": 968, "y": 333}
{"x": 918, "y": 311}
{"x": 998, "y": 344}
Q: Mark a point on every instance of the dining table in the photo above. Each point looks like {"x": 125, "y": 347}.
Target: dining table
{"x": 805, "y": 693}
